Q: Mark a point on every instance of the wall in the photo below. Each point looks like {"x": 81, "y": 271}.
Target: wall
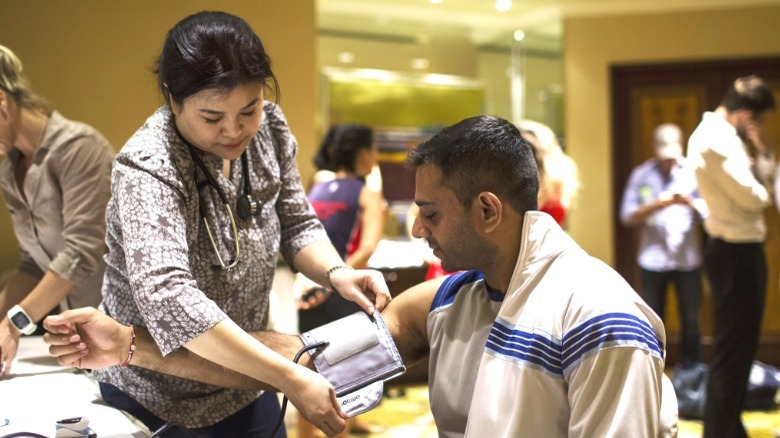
{"x": 92, "y": 59}
{"x": 542, "y": 73}
{"x": 446, "y": 54}
{"x": 592, "y": 44}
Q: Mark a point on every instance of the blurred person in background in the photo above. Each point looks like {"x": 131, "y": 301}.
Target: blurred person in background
{"x": 558, "y": 173}
{"x": 661, "y": 200}
{"x": 56, "y": 181}
{"x": 353, "y": 213}
{"x": 737, "y": 188}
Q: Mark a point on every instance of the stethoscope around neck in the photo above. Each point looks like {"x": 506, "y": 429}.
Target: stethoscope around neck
{"x": 245, "y": 206}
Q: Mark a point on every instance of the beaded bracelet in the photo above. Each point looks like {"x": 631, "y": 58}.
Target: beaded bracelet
{"x": 334, "y": 269}
{"x": 130, "y": 350}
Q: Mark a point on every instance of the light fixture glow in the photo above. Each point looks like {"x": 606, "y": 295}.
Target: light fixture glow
{"x": 503, "y": 5}
{"x": 346, "y": 57}
{"x": 420, "y": 63}
{"x": 518, "y": 35}
{"x": 436, "y": 2}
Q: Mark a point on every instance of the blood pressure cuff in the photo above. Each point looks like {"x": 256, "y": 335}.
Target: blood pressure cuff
{"x": 360, "y": 355}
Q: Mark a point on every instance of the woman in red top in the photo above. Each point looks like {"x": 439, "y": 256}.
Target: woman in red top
{"x": 558, "y": 176}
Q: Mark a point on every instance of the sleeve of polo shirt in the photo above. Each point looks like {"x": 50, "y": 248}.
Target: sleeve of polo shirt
{"x": 299, "y": 222}
{"x": 616, "y": 392}
{"x": 85, "y": 181}
{"x": 151, "y": 210}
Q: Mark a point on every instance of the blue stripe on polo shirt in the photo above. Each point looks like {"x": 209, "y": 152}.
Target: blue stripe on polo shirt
{"x": 609, "y": 330}
{"x": 450, "y": 287}
{"x": 530, "y": 347}
{"x": 525, "y": 346}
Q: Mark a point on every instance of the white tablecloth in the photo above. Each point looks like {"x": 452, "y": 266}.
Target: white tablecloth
{"x": 40, "y": 392}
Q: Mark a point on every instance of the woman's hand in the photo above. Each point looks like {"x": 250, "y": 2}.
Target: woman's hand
{"x": 86, "y": 338}
{"x": 366, "y": 287}
{"x": 9, "y": 345}
{"x": 315, "y": 399}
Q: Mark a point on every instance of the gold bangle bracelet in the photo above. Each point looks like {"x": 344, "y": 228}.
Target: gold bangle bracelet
{"x": 334, "y": 269}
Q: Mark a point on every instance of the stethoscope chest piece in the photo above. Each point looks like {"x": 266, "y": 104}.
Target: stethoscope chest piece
{"x": 246, "y": 206}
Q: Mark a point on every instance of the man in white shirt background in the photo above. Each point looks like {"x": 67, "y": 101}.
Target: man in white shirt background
{"x": 736, "y": 184}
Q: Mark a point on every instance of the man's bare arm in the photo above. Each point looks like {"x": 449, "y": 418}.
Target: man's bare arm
{"x": 406, "y": 318}
{"x": 88, "y": 338}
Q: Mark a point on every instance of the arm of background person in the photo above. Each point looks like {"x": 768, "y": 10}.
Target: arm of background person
{"x": 372, "y": 227}
{"x": 18, "y": 286}
{"x": 36, "y": 302}
{"x": 734, "y": 176}
{"x": 633, "y": 209}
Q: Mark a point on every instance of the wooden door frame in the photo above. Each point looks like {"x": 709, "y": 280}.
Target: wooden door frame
{"x": 714, "y": 76}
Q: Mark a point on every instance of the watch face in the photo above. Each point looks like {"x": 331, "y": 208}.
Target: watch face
{"x": 20, "y": 320}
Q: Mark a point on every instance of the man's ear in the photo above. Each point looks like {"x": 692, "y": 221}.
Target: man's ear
{"x": 491, "y": 211}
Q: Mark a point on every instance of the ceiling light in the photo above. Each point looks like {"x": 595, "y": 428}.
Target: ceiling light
{"x": 420, "y": 63}
{"x": 518, "y": 35}
{"x": 434, "y": 1}
{"x": 503, "y": 5}
{"x": 346, "y": 57}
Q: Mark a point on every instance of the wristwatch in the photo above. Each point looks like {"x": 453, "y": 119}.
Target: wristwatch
{"x": 21, "y": 320}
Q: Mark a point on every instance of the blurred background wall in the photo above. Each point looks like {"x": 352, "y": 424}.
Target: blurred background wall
{"x": 93, "y": 60}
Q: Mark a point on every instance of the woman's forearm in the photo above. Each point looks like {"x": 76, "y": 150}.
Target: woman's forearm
{"x": 186, "y": 364}
{"x": 228, "y": 346}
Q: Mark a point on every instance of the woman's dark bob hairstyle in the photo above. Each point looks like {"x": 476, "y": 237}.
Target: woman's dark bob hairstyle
{"x": 211, "y": 50}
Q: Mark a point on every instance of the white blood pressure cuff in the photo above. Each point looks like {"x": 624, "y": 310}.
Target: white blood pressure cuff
{"x": 360, "y": 355}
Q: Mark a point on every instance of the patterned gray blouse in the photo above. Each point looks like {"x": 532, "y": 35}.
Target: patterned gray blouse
{"x": 159, "y": 266}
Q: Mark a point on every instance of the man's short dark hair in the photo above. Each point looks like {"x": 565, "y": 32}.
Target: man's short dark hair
{"x": 750, "y": 93}
{"x": 483, "y": 153}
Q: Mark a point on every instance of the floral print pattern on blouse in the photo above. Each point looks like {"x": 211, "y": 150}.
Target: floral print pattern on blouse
{"x": 160, "y": 272}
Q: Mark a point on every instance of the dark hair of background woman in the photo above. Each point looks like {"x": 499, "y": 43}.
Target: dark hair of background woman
{"x": 340, "y": 147}
{"x": 212, "y": 50}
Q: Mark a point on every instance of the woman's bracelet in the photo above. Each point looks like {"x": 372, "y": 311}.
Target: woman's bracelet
{"x": 334, "y": 269}
{"x": 130, "y": 350}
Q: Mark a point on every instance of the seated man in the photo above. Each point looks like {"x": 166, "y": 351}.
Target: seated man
{"x": 534, "y": 339}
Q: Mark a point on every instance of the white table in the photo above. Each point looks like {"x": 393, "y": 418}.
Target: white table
{"x": 40, "y": 392}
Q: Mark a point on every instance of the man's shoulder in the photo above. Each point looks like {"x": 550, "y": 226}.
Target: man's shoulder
{"x": 590, "y": 285}
{"x": 455, "y": 284}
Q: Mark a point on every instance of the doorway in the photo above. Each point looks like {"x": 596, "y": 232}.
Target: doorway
{"x": 646, "y": 95}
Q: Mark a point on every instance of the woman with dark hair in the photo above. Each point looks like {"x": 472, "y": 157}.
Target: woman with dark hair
{"x": 351, "y": 211}
{"x": 204, "y": 196}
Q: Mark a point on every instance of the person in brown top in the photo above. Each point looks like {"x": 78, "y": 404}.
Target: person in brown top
{"x": 56, "y": 183}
